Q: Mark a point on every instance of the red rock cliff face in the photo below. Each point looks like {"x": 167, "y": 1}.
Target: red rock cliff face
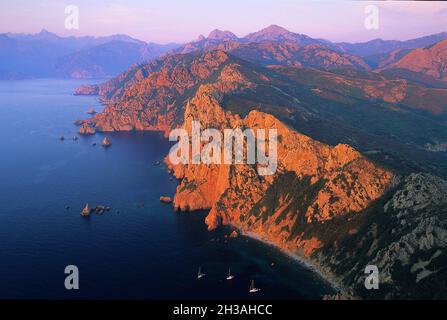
{"x": 313, "y": 183}
{"x": 155, "y": 101}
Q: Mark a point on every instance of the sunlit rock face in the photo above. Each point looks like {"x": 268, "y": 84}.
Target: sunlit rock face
{"x": 313, "y": 183}
{"x": 328, "y": 203}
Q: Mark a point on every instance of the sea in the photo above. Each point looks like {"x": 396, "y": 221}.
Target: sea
{"x": 141, "y": 248}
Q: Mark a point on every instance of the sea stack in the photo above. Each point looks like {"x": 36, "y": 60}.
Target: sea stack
{"x": 106, "y": 142}
{"x": 165, "y": 199}
{"x": 91, "y": 111}
{"x": 86, "y": 211}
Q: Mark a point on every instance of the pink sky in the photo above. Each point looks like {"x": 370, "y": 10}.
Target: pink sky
{"x": 181, "y": 21}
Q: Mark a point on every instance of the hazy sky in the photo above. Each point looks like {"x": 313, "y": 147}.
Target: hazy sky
{"x": 180, "y": 21}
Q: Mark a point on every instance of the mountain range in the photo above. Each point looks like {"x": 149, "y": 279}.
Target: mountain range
{"x": 47, "y": 55}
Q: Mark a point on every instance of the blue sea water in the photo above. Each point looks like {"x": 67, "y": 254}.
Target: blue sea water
{"x": 141, "y": 249}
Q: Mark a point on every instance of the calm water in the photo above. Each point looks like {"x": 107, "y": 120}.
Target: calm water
{"x": 129, "y": 252}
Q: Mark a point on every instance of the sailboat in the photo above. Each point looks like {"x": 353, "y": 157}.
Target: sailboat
{"x": 253, "y": 289}
{"x": 230, "y": 276}
{"x": 200, "y": 274}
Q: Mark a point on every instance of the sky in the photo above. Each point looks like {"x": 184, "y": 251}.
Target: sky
{"x": 182, "y": 21}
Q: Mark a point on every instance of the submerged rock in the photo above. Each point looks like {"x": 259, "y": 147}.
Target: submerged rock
{"x": 61, "y": 138}
{"x": 99, "y": 209}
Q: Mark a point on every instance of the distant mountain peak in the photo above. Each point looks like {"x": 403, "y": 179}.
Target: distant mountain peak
{"x": 217, "y": 34}
{"x": 275, "y": 29}
{"x": 123, "y": 37}
{"x": 45, "y": 32}
{"x": 275, "y": 33}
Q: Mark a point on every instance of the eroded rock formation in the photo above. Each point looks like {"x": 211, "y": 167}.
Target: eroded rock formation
{"x": 313, "y": 183}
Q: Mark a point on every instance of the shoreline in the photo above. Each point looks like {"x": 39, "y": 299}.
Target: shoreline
{"x": 307, "y": 263}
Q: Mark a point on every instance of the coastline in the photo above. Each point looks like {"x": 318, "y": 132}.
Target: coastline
{"x": 312, "y": 265}
{"x": 307, "y": 263}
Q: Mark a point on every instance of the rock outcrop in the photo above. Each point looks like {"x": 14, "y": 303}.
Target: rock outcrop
{"x": 165, "y": 199}
{"x": 86, "y": 211}
{"x": 106, "y": 142}
{"x": 87, "y": 90}
{"x": 86, "y": 129}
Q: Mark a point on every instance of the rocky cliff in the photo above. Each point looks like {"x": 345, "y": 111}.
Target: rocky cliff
{"x": 154, "y": 98}
{"x": 325, "y": 202}
{"x": 314, "y": 182}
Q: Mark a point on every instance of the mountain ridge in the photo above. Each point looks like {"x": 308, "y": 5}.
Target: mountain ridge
{"x": 429, "y": 61}
{"x": 48, "y": 49}
{"x": 46, "y": 54}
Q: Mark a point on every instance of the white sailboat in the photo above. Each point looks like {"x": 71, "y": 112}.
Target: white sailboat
{"x": 253, "y": 289}
{"x": 230, "y": 276}
{"x": 200, "y": 274}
